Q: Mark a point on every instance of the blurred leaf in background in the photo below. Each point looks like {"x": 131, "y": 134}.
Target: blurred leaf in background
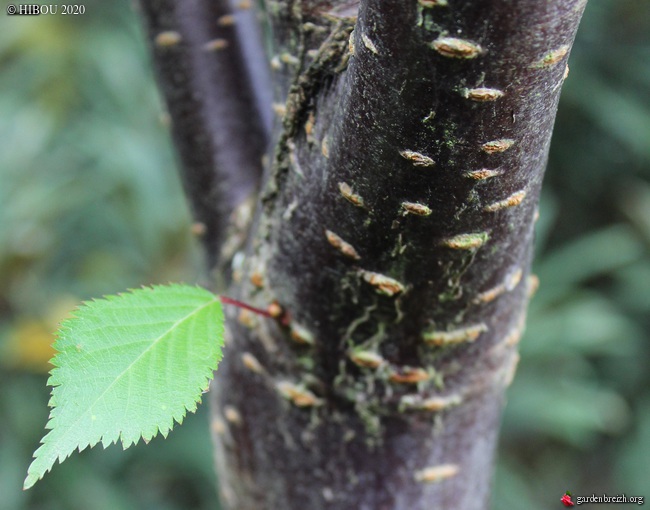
{"x": 578, "y": 413}
{"x": 90, "y": 204}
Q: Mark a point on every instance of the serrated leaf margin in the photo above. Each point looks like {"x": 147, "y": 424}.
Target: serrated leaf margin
{"x": 36, "y": 474}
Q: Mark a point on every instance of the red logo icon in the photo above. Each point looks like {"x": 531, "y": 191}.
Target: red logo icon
{"x": 566, "y": 499}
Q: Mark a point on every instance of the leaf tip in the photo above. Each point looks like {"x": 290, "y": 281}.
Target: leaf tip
{"x": 30, "y": 480}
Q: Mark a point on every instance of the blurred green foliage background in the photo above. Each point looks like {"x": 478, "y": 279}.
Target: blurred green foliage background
{"x": 90, "y": 204}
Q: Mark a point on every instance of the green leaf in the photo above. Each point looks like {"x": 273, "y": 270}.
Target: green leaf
{"x": 128, "y": 366}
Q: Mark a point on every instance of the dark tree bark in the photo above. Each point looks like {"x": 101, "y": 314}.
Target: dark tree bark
{"x": 394, "y": 230}
{"x": 214, "y": 78}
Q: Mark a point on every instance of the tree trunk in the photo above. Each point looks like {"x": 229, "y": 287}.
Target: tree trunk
{"x": 393, "y": 234}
